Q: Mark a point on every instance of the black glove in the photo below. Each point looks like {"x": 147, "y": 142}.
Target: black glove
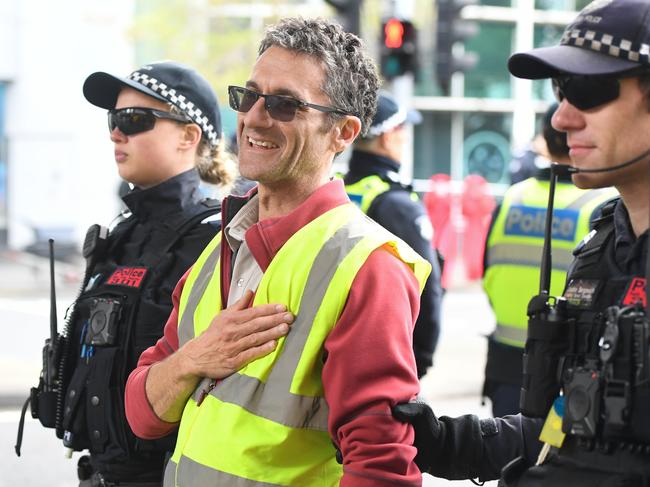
{"x": 428, "y": 431}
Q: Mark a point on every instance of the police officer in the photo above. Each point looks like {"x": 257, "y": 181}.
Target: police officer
{"x": 164, "y": 122}
{"x": 373, "y": 183}
{"x": 513, "y": 256}
{"x": 592, "y": 347}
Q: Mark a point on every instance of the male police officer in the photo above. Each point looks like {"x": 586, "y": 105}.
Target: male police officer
{"x": 373, "y": 183}
{"x": 601, "y": 74}
{"x": 513, "y": 255}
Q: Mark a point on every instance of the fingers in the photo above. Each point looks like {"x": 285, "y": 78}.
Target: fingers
{"x": 264, "y": 322}
{"x": 244, "y": 302}
{"x": 251, "y": 354}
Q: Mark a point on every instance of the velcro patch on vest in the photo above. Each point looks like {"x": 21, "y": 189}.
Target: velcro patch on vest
{"x": 635, "y": 292}
{"x": 526, "y": 221}
{"x": 581, "y": 292}
{"x": 127, "y": 276}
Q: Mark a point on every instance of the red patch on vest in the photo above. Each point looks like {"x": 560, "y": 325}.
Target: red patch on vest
{"x": 127, "y": 276}
{"x": 635, "y": 292}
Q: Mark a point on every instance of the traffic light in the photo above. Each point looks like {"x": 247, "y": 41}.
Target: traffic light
{"x": 348, "y": 13}
{"x": 451, "y": 28}
{"x": 398, "y": 48}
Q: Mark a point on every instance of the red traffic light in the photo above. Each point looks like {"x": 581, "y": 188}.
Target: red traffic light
{"x": 394, "y": 34}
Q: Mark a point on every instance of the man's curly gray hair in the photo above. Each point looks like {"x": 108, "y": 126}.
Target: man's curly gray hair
{"x": 351, "y": 80}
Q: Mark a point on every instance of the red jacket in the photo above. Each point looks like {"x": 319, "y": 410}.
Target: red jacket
{"x": 369, "y": 367}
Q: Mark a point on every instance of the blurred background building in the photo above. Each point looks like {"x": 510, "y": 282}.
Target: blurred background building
{"x": 446, "y": 58}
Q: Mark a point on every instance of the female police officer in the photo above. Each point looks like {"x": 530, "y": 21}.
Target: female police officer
{"x": 165, "y": 126}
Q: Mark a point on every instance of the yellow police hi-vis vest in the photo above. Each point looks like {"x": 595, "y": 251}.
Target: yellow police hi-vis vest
{"x": 514, "y": 248}
{"x": 364, "y": 191}
{"x": 266, "y": 425}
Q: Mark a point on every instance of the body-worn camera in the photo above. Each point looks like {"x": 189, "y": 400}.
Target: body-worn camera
{"x": 103, "y": 321}
{"x": 582, "y": 392}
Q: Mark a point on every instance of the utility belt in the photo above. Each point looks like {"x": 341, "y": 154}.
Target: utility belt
{"x": 580, "y": 465}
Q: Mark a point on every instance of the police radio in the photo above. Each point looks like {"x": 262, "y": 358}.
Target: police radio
{"x": 547, "y": 341}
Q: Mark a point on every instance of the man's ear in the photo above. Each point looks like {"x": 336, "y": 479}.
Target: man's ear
{"x": 345, "y": 132}
{"x": 191, "y": 136}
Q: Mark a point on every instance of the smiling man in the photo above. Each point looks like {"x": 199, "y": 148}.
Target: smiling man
{"x": 315, "y": 411}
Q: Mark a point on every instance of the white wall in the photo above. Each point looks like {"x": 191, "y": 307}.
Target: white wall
{"x": 61, "y": 169}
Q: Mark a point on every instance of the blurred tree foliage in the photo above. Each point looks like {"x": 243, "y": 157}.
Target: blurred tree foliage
{"x": 194, "y": 32}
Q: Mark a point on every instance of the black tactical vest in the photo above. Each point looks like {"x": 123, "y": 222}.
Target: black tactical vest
{"x": 110, "y": 326}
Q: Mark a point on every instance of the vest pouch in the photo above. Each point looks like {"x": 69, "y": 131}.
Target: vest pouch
{"x": 74, "y": 412}
{"x": 547, "y": 343}
{"x": 100, "y": 396}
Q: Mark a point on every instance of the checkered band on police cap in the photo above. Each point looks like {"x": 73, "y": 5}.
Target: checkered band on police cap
{"x": 179, "y": 100}
{"x": 166, "y": 81}
{"x": 607, "y": 44}
{"x": 607, "y": 37}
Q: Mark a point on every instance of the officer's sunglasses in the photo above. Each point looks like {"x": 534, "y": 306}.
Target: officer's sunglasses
{"x": 279, "y": 107}
{"x": 587, "y": 92}
{"x": 135, "y": 120}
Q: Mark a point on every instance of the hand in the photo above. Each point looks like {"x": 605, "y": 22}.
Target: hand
{"x": 428, "y": 430}
{"x": 238, "y": 335}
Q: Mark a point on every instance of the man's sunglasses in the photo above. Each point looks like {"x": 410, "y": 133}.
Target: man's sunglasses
{"x": 587, "y": 92}
{"x": 134, "y": 120}
{"x": 280, "y": 107}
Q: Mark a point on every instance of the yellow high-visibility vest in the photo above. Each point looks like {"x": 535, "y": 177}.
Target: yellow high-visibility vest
{"x": 266, "y": 425}
{"x": 514, "y": 248}
{"x": 364, "y": 191}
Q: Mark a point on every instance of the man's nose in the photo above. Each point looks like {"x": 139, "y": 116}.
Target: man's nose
{"x": 258, "y": 115}
{"x": 567, "y": 117}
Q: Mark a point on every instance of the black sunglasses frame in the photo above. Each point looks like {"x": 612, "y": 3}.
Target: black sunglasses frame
{"x": 149, "y": 116}
{"x": 272, "y": 104}
{"x": 586, "y": 92}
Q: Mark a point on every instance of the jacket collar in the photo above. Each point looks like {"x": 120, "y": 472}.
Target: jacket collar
{"x": 171, "y": 196}
{"x": 364, "y": 164}
{"x": 266, "y": 237}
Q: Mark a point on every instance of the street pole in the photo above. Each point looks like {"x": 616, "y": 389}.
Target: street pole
{"x": 402, "y": 86}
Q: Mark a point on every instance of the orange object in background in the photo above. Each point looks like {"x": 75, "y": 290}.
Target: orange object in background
{"x": 460, "y": 215}
{"x": 478, "y": 205}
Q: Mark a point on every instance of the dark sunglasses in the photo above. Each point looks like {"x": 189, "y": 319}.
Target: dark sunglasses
{"x": 587, "y": 92}
{"x": 280, "y": 107}
{"x": 134, "y": 120}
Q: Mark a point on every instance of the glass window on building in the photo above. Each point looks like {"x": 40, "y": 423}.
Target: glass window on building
{"x": 486, "y": 146}
{"x": 545, "y": 35}
{"x": 561, "y": 4}
{"x": 431, "y": 152}
{"x": 497, "y": 3}
{"x": 490, "y": 77}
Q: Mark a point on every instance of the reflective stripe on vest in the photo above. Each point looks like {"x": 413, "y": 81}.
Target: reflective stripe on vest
{"x": 267, "y": 423}
{"x": 514, "y": 250}
{"x": 363, "y": 192}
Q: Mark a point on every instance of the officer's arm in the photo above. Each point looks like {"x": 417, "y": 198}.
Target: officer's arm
{"x": 467, "y": 447}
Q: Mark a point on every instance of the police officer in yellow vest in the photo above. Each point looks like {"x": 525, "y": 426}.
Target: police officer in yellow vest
{"x": 373, "y": 183}
{"x": 316, "y": 409}
{"x": 512, "y": 261}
